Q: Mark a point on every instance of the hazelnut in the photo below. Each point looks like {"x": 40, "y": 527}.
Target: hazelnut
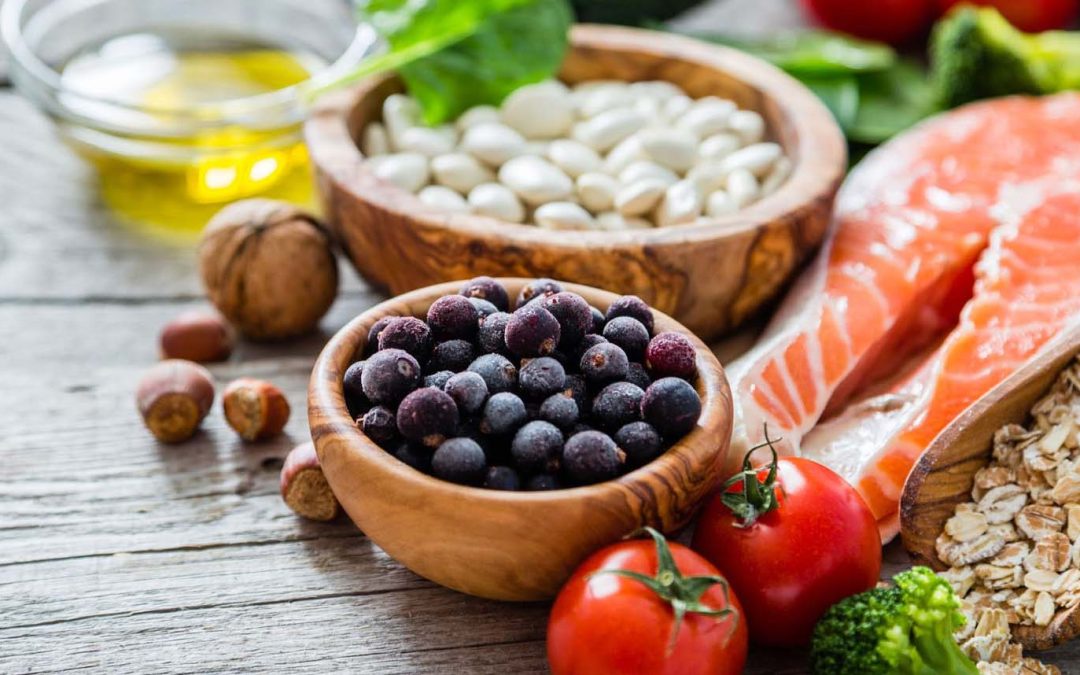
{"x": 269, "y": 268}
{"x": 304, "y": 487}
{"x": 255, "y": 409}
{"x": 198, "y": 336}
{"x": 173, "y": 398}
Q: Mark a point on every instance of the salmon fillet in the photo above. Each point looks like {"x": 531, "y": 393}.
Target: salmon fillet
{"x": 994, "y": 183}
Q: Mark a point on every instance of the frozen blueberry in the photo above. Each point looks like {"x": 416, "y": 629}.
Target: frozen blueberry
{"x": 559, "y": 409}
{"x": 542, "y": 377}
{"x": 492, "y": 333}
{"x": 483, "y": 308}
{"x": 542, "y": 481}
{"x": 503, "y": 414}
{"x": 427, "y": 416}
{"x": 376, "y": 329}
{"x": 573, "y": 314}
{"x": 408, "y": 334}
{"x": 439, "y": 379}
{"x": 486, "y": 288}
{"x": 671, "y": 354}
{"x": 468, "y": 390}
{"x": 460, "y": 460}
{"x": 389, "y": 375}
{"x": 636, "y": 374}
{"x": 418, "y": 458}
{"x": 502, "y": 478}
{"x": 379, "y": 425}
{"x": 604, "y": 362}
{"x": 590, "y": 340}
{"x": 633, "y": 307}
{"x": 355, "y": 400}
{"x": 578, "y": 389}
{"x": 640, "y": 441}
{"x": 499, "y": 374}
{"x": 616, "y": 405}
{"x": 591, "y": 457}
{"x": 580, "y": 427}
{"x": 536, "y": 447}
{"x": 598, "y": 320}
{"x": 538, "y": 288}
{"x": 452, "y": 355}
{"x": 532, "y": 331}
{"x": 672, "y": 406}
{"x": 628, "y": 333}
{"x": 452, "y": 317}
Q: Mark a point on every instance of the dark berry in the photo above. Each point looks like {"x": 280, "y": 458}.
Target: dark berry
{"x": 671, "y": 354}
{"x": 636, "y": 374}
{"x": 486, "y": 288}
{"x": 604, "y": 362}
{"x": 617, "y": 404}
{"x": 672, "y": 406}
{"x": 352, "y": 385}
{"x": 389, "y": 375}
{"x": 452, "y": 355}
{"x": 492, "y": 333}
{"x": 640, "y": 441}
{"x": 542, "y": 481}
{"x": 598, "y": 320}
{"x": 409, "y": 334}
{"x": 573, "y": 314}
{"x": 376, "y": 329}
{"x": 499, "y": 374}
{"x": 452, "y": 317}
{"x": 591, "y": 457}
{"x": 542, "y": 377}
{"x": 532, "y": 331}
{"x": 380, "y": 426}
{"x": 633, "y": 307}
{"x": 504, "y": 413}
{"x": 483, "y": 308}
{"x": 590, "y": 340}
{"x": 439, "y": 379}
{"x": 418, "y": 458}
{"x": 502, "y": 478}
{"x": 577, "y": 389}
{"x": 460, "y": 460}
{"x": 537, "y": 288}
{"x": 468, "y": 390}
{"x": 559, "y": 409}
{"x": 628, "y": 333}
{"x": 580, "y": 427}
{"x": 536, "y": 447}
{"x": 427, "y": 416}
{"x": 563, "y": 360}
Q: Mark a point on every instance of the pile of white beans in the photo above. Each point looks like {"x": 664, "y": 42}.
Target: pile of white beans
{"x": 603, "y": 155}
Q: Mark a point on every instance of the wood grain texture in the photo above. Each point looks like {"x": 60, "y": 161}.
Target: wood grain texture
{"x": 506, "y": 546}
{"x": 945, "y": 474}
{"x": 711, "y": 277}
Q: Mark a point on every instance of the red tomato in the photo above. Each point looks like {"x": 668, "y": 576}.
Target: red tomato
{"x": 607, "y": 624}
{"x": 1033, "y": 16}
{"x": 818, "y": 545}
{"x": 892, "y": 21}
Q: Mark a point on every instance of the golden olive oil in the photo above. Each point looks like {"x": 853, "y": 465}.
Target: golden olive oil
{"x": 181, "y": 174}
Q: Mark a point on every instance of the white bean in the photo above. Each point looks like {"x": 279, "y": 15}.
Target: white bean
{"x": 460, "y": 171}
{"x": 779, "y": 174}
{"x": 479, "y": 114}
{"x": 613, "y": 221}
{"x": 407, "y": 170}
{"x": 674, "y": 148}
{"x": 639, "y": 197}
{"x": 709, "y": 175}
{"x": 542, "y": 110}
{"x": 493, "y": 143}
{"x": 742, "y": 187}
{"x": 563, "y": 216}
{"x": 374, "y": 141}
{"x": 719, "y": 146}
{"x": 676, "y": 107}
{"x": 682, "y": 203}
{"x": 650, "y": 108}
{"x": 623, "y": 155}
{"x": 536, "y": 180}
{"x": 428, "y": 141}
{"x": 605, "y": 98}
{"x": 748, "y": 125}
{"x": 608, "y": 128}
{"x": 399, "y": 112}
{"x": 643, "y": 169}
{"x": 660, "y": 90}
{"x": 757, "y": 158}
{"x": 720, "y": 204}
{"x": 443, "y": 198}
{"x": 496, "y": 201}
{"x": 574, "y": 158}
{"x": 707, "y": 116}
{"x": 597, "y": 191}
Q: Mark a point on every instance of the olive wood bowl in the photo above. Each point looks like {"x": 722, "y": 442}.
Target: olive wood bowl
{"x": 944, "y": 475}
{"x": 710, "y": 276}
{"x": 495, "y": 544}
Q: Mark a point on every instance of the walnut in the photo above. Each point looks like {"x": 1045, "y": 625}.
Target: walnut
{"x": 269, "y": 268}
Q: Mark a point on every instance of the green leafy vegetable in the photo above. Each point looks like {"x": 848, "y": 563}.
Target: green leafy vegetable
{"x": 816, "y": 53}
{"x": 840, "y": 94}
{"x": 890, "y": 102}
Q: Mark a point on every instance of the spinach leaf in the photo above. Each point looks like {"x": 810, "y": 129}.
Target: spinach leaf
{"x": 840, "y": 94}
{"x": 814, "y": 53}
{"x": 890, "y": 102}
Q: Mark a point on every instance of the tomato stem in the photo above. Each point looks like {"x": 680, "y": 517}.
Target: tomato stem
{"x": 756, "y": 496}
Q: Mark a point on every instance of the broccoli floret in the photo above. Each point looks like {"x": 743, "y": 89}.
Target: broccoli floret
{"x": 977, "y": 53}
{"x": 906, "y": 629}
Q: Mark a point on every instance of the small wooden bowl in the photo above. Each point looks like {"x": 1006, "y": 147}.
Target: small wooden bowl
{"x": 945, "y": 474}
{"x": 709, "y": 276}
{"x": 504, "y": 545}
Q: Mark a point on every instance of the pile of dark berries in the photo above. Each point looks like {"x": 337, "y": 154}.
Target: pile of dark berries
{"x": 554, "y": 394}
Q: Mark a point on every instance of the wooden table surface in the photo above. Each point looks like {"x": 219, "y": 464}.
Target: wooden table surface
{"x": 121, "y": 555}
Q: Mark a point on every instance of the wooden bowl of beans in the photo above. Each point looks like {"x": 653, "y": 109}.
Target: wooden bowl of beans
{"x": 692, "y": 175}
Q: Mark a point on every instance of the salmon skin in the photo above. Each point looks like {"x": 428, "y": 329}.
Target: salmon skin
{"x": 954, "y": 255}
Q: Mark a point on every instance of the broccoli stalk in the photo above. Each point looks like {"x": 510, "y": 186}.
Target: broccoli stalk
{"x": 977, "y": 53}
{"x": 906, "y": 629}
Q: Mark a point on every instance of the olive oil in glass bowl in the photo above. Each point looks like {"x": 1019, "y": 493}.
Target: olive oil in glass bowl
{"x": 183, "y": 105}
